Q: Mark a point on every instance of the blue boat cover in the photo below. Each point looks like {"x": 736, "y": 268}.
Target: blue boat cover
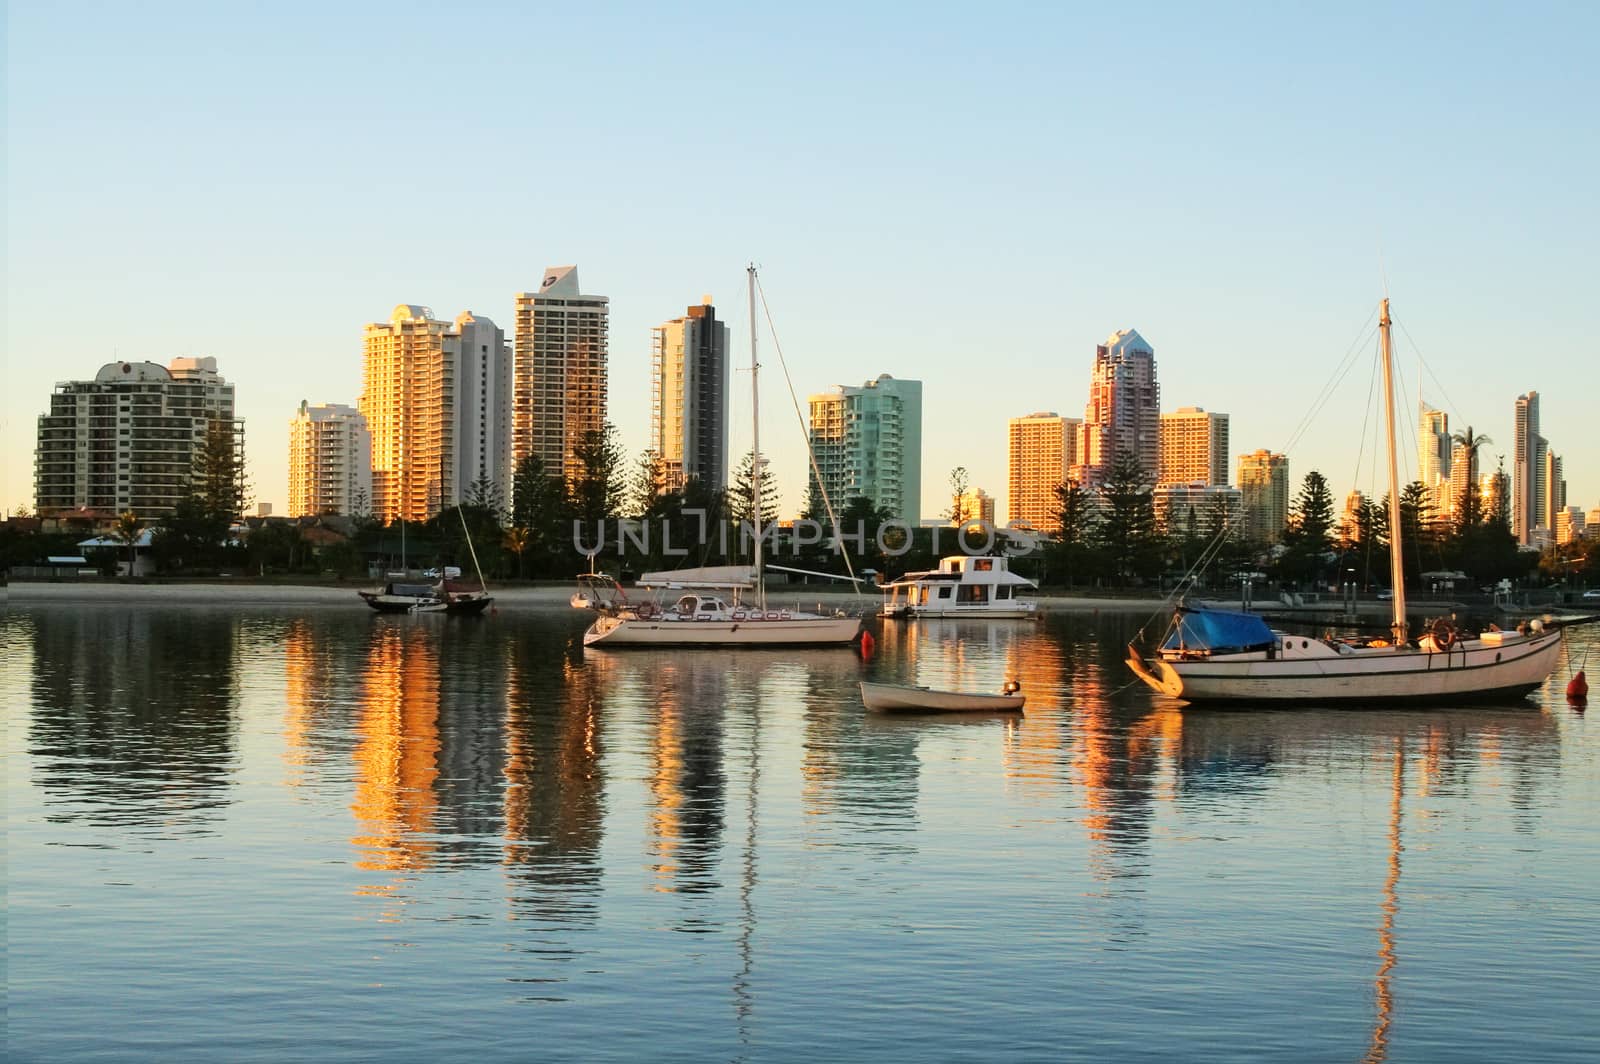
{"x": 1219, "y": 631}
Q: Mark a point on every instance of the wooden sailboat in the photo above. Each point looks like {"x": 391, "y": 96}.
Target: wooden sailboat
{"x": 1221, "y": 656}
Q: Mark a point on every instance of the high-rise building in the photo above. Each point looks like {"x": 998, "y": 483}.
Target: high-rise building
{"x": 1525, "y": 468}
{"x": 867, "y": 442}
{"x": 437, "y": 405}
{"x": 1569, "y": 524}
{"x": 330, "y": 461}
{"x": 1350, "y": 520}
{"x": 1043, "y": 448}
{"x": 689, "y": 398}
{"x": 1194, "y": 448}
{"x": 562, "y": 342}
{"x": 481, "y": 415}
{"x": 1553, "y": 487}
{"x": 1433, "y": 459}
{"x": 1182, "y": 509}
{"x": 1494, "y": 495}
{"x": 1264, "y": 485}
{"x": 977, "y": 505}
{"x": 130, "y": 438}
{"x": 1123, "y": 415}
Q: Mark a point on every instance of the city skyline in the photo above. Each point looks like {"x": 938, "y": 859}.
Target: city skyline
{"x": 1248, "y": 246}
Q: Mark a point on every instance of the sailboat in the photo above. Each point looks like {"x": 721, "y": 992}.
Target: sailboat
{"x": 456, "y": 598}
{"x": 722, "y": 606}
{"x": 1221, "y": 656}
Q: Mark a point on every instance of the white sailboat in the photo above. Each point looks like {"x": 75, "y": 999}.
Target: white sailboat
{"x": 714, "y": 611}
{"x": 1219, "y": 656}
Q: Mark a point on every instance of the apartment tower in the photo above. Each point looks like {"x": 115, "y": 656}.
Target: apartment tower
{"x": 1526, "y": 468}
{"x": 437, "y": 404}
{"x": 129, "y": 438}
{"x": 1042, "y": 449}
{"x": 330, "y": 461}
{"x": 560, "y": 371}
{"x": 1123, "y": 415}
{"x": 1434, "y": 457}
{"x": 867, "y": 442}
{"x": 1264, "y": 485}
{"x": 689, "y": 398}
{"x": 1194, "y": 448}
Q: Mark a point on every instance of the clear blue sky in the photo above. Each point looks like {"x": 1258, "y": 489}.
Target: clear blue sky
{"x": 970, "y": 195}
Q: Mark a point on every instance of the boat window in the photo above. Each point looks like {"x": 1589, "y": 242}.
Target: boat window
{"x": 973, "y": 593}
{"x": 1002, "y": 593}
{"x": 686, "y": 604}
{"x": 944, "y": 592}
{"x": 708, "y": 606}
{"x": 983, "y": 565}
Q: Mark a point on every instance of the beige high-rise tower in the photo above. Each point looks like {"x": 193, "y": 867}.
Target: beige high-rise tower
{"x": 560, "y": 392}
{"x": 410, "y": 370}
{"x": 1042, "y": 449}
{"x": 1194, "y": 448}
{"x": 1264, "y": 483}
{"x": 330, "y": 461}
{"x": 689, "y": 398}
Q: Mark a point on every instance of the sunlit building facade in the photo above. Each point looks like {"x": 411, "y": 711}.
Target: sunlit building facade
{"x": 330, "y": 461}
{"x": 1264, "y": 486}
{"x": 689, "y": 398}
{"x": 562, "y": 344}
{"x": 1194, "y": 448}
{"x": 1527, "y": 467}
{"x": 1042, "y": 448}
{"x": 1434, "y": 456}
{"x": 1123, "y": 415}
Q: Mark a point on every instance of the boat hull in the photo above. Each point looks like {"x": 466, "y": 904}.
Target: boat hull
{"x": 888, "y": 698}
{"x": 1506, "y": 671}
{"x": 611, "y": 631}
{"x": 1003, "y": 613}
{"x": 390, "y": 603}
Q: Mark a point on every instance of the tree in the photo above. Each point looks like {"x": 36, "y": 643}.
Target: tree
{"x": 129, "y": 525}
{"x": 1127, "y": 530}
{"x": 1416, "y": 528}
{"x": 739, "y": 509}
{"x": 597, "y": 491}
{"x": 1309, "y": 534}
{"x": 1469, "y": 508}
{"x": 537, "y": 508}
{"x": 219, "y": 478}
{"x": 958, "y": 496}
{"x": 516, "y": 541}
{"x": 484, "y": 494}
{"x": 1075, "y": 520}
{"x": 648, "y": 484}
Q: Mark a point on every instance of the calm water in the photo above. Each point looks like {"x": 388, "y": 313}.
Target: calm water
{"x": 323, "y": 834}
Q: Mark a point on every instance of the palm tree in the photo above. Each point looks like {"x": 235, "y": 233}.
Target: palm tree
{"x": 129, "y": 525}
{"x": 516, "y": 540}
{"x": 1467, "y": 506}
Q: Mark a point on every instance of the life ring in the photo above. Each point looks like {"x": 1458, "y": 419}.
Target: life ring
{"x": 1444, "y": 635}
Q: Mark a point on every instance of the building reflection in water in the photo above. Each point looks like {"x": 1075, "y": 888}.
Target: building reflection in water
{"x": 554, "y": 798}
{"x": 134, "y": 717}
{"x": 397, "y": 750}
{"x": 687, "y": 778}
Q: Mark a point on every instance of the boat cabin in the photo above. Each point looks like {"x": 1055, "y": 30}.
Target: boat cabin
{"x": 977, "y": 584}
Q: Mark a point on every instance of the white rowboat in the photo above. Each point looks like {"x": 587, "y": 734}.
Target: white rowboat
{"x": 888, "y": 697}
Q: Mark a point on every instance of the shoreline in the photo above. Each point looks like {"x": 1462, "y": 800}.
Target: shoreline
{"x": 546, "y": 596}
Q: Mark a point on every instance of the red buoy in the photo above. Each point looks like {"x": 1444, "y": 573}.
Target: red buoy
{"x": 1578, "y": 689}
{"x": 867, "y": 645}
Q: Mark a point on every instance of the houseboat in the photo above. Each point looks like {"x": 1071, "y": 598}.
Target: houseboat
{"x": 962, "y": 586}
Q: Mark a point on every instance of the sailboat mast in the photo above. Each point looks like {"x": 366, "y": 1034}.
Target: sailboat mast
{"x": 1397, "y": 576}
{"x": 755, "y": 443}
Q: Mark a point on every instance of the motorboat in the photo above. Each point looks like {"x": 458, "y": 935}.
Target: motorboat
{"x": 1224, "y": 656}
{"x": 962, "y": 586}
{"x": 889, "y": 697}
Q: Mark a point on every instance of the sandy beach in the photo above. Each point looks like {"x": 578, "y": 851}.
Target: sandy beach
{"x": 540, "y": 596}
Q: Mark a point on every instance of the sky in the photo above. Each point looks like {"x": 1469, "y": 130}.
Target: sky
{"x": 969, "y": 196}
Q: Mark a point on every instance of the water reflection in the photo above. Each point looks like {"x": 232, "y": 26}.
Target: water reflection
{"x": 133, "y": 720}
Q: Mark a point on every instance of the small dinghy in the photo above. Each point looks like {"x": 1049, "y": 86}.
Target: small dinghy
{"x": 888, "y": 697}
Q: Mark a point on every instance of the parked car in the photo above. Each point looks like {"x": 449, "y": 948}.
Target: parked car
{"x": 1592, "y": 593}
{"x": 450, "y": 573}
